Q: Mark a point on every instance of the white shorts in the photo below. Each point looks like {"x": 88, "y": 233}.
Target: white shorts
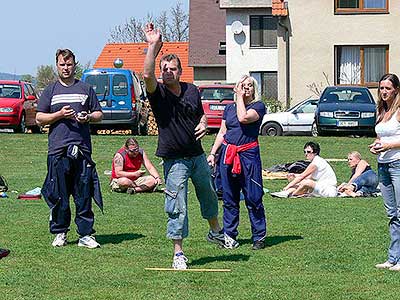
{"x": 324, "y": 189}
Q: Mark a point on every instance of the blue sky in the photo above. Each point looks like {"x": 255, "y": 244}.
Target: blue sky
{"x": 31, "y": 31}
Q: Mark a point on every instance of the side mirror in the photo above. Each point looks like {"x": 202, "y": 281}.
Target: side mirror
{"x": 30, "y": 97}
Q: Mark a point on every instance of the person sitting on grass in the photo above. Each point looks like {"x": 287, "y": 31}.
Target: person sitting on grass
{"x": 318, "y": 179}
{"x": 127, "y": 175}
{"x": 363, "y": 181}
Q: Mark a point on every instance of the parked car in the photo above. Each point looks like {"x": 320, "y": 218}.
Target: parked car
{"x": 295, "y": 120}
{"x": 18, "y": 102}
{"x": 214, "y": 98}
{"x": 120, "y": 93}
{"x": 345, "y": 110}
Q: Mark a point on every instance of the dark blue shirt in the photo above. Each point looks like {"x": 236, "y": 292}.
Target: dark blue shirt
{"x": 240, "y": 134}
{"x": 64, "y": 132}
{"x": 177, "y": 117}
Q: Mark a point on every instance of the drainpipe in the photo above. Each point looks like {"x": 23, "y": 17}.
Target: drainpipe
{"x": 287, "y": 40}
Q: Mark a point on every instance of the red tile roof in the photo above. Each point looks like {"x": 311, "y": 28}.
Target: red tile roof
{"x": 133, "y": 55}
{"x": 278, "y": 8}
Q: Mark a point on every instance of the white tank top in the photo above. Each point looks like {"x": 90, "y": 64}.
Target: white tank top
{"x": 388, "y": 132}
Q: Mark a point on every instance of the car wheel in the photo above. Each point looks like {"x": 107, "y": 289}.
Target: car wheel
{"x": 135, "y": 129}
{"x": 271, "y": 129}
{"x": 143, "y": 129}
{"x": 314, "y": 130}
{"x": 21, "y": 127}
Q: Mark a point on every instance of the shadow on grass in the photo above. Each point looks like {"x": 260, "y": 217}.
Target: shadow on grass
{"x": 206, "y": 260}
{"x": 117, "y": 238}
{"x": 275, "y": 240}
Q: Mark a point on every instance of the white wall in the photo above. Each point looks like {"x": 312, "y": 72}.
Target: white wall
{"x": 240, "y": 59}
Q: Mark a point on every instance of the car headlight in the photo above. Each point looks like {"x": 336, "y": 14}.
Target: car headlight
{"x": 6, "y": 109}
{"x": 328, "y": 114}
{"x": 367, "y": 114}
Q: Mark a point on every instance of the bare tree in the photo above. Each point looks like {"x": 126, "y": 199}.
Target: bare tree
{"x": 162, "y": 24}
{"x": 318, "y": 88}
{"x": 175, "y": 28}
{"x": 179, "y": 25}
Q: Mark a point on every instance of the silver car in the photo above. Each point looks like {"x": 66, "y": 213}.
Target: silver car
{"x": 296, "y": 120}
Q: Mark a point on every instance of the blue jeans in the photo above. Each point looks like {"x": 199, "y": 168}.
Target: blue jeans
{"x": 177, "y": 173}
{"x": 367, "y": 182}
{"x": 389, "y": 183}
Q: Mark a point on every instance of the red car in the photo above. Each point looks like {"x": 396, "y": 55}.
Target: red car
{"x": 214, "y": 99}
{"x": 18, "y": 101}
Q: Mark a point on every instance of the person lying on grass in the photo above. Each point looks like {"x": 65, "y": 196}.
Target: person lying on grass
{"x": 318, "y": 179}
{"x": 363, "y": 181}
{"x": 127, "y": 175}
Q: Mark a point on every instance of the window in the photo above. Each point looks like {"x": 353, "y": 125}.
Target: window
{"x": 361, "y": 6}
{"x": 267, "y": 83}
{"x": 360, "y": 65}
{"x": 120, "y": 85}
{"x": 263, "y": 31}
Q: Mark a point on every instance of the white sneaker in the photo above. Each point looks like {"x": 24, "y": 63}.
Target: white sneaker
{"x": 179, "y": 262}
{"x": 281, "y": 194}
{"x": 386, "y": 265}
{"x": 60, "y": 240}
{"x": 396, "y": 267}
{"x": 230, "y": 243}
{"x": 88, "y": 241}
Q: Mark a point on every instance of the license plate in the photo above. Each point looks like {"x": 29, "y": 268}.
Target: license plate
{"x": 103, "y": 103}
{"x": 347, "y": 123}
{"x": 217, "y": 107}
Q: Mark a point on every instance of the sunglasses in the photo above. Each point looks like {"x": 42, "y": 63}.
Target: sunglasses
{"x": 133, "y": 150}
{"x": 308, "y": 152}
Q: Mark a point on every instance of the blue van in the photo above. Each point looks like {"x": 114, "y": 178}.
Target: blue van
{"x": 120, "y": 94}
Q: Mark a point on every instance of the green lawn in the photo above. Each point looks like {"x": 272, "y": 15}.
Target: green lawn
{"x": 318, "y": 248}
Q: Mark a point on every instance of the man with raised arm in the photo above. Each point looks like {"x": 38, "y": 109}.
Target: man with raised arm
{"x": 181, "y": 124}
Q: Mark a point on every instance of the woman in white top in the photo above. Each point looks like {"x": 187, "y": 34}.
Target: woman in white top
{"x": 387, "y": 147}
{"x": 318, "y": 179}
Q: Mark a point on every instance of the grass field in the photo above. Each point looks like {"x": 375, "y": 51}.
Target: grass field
{"x": 318, "y": 248}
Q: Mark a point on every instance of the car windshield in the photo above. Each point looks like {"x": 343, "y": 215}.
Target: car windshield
{"x": 12, "y": 91}
{"x": 346, "y": 95}
{"x": 99, "y": 83}
{"x": 216, "y": 94}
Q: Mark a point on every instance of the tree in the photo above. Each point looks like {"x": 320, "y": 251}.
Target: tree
{"x": 175, "y": 28}
{"x": 80, "y": 68}
{"x": 45, "y": 75}
{"x": 179, "y": 27}
{"x": 27, "y": 78}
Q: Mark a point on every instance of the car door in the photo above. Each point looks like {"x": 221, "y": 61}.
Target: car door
{"x": 30, "y": 103}
{"x": 302, "y": 117}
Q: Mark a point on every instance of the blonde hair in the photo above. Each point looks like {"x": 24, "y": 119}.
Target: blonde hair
{"x": 355, "y": 154}
{"x": 382, "y": 106}
{"x": 256, "y": 95}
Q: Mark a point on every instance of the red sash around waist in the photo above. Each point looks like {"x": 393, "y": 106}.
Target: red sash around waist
{"x": 232, "y": 155}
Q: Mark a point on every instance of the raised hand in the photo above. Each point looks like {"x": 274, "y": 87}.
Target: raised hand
{"x": 153, "y": 36}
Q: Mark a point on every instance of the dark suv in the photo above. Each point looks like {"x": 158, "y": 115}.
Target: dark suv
{"x": 345, "y": 110}
{"x": 120, "y": 93}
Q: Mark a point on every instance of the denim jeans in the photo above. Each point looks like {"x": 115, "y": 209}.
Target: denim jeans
{"x": 177, "y": 173}
{"x": 389, "y": 183}
{"x": 367, "y": 182}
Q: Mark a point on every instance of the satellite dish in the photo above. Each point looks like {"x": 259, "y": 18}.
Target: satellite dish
{"x": 237, "y": 27}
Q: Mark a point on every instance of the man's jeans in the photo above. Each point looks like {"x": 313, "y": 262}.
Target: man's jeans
{"x": 389, "y": 183}
{"x": 177, "y": 173}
